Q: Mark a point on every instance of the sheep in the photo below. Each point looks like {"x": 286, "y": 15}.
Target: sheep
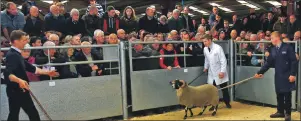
{"x": 200, "y": 96}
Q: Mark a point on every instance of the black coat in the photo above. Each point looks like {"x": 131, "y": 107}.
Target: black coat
{"x": 128, "y": 25}
{"x": 75, "y": 28}
{"x": 285, "y": 62}
{"x": 34, "y": 29}
{"x": 292, "y": 28}
{"x": 237, "y": 26}
{"x": 148, "y": 25}
{"x": 92, "y": 23}
{"x": 54, "y": 24}
{"x": 64, "y": 71}
{"x": 84, "y": 69}
{"x": 190, "y": 23}
{"x": 163, "y": 28}
{"x": 268, "y": 25}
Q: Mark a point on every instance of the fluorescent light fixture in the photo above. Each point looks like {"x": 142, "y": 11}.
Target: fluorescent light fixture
{"x": 50, "y": 1}
{"x": 251, "y": 6}
{"x": 193, "y": 8}
{"x": 191, "y": 14}
{"x": 220, "y": 7}
{"x": 143, "y": 14}
{"x": 275, "y": 3}
{"x": 201, "y": 11}
{"x": 214, "y": 4}
{"x": 242, "y": 2}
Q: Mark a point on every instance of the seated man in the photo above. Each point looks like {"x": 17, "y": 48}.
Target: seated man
{"x": 87, "y": 70}
{"x": 64, "y": 71}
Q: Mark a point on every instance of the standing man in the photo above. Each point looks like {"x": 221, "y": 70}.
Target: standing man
{"x": 17, "y": 87}
{"x": 284, "y": 60}
{"x": 216, "y": 65}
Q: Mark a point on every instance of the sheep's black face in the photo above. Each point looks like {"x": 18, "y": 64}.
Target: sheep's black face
{"x": 176, "y": 84}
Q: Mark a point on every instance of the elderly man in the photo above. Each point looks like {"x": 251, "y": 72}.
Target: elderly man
{"x": 283, "y": 59}
{"x": 87, "y": 70}
{"x": 55, "y": 39}
{"x": 216, "y": 66}
{"x": 121, "y": 35}
{"x": 293, "y": 26}
{"x": 175, "y": 22}
{"x": 92, "y": 21}
{"x": 74, "y": 24}
{"x": 297, "y": 36}
{"x": 11, "y": 19}
{"x": 34, "y": 24}
{"x": 54, "y": 21}
{"x": 148, "y": 22}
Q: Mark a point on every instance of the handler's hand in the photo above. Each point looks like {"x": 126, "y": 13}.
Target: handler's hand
{"x": 292, "y": 78}
{"x": 221, "y": 75}
{"x": 53, "y": 73}
{"x": 23, "y": 85}
{"x": 258, "y": 76}
{"x": 169, "y": 68}
{"x": 205, "y": 70}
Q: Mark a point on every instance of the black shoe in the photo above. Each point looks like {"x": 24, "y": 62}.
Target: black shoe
{"x": 287, "y": 118}
{"x": 277, "y": 115}
{"x": 228, "y": 105}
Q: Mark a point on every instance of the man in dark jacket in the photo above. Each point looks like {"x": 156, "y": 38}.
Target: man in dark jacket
{"x": 34, "y": 24}
{"x": 269, "y": 23}
{"x": 55, "y": 57}
{"x": 281, "y": 24}
{"x": 149, "y": 23}
{"x": 74, "y": 24}
{"x": 175, "y": 22}
{"x": 87, "y": 70}
{"x": 283, "y": 58}
{"x": 187, "y": 20}
{"x": 54, "y": 21}
{"x": 293, "y": 26}
{"x": 237, "y": 25}
{"x": 92, "y": 20}
{"x": 110, "y": 21}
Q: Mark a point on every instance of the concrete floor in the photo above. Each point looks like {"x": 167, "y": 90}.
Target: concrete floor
{"x": 239, "y": 111}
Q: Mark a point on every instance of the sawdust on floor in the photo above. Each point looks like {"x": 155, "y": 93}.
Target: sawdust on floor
{"x": 239, "y": 111}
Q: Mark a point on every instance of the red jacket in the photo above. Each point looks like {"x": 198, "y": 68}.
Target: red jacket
{"x": 162, "y": 60}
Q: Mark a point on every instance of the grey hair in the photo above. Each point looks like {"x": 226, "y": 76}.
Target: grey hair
{"x": 98, "y": 32}
{"x": 74, "y": 11}
{"x": 175, "y": 11}
{"x": 253, "y": 35}
{"x": 48, "y": 44}
{"x": 201, "y": 27}
{"x": 52, "y": 36}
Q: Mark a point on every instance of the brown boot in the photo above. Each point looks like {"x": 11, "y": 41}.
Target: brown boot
{"x": 277, "y": 115}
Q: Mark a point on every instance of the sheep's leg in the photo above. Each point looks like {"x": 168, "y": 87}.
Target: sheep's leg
{"x": 191, "y": 114}
{"x": 201, "y": 113}
{"x": 212, "y": 108}
{"x": 185, "y": 116}
{"x": 215, "y": 109}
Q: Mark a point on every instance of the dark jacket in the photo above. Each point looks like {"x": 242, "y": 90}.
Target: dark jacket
{"x": 268, "y": 25}
{"x": 148, "y": 25}
{"x": 84, "y": 69}
{"x": 237, "y": 26}
{"x": 64, "y": 71}
{"x": 55, "y": 24}
{"x": 174, "y": 24}
{"x": 280, "y": 27}
{"x": 74, "y": 28}
{"x": 219, "y": 25}
{"x": 190, "y": 23}
{"x": 92, "y": 23}
{"x": 195, "y": 60}
{"x": 16, "y": 65}
{"x": 163, "y": 28}
{"x": 128, "y": 24}
{"x": 106, "y": 24}
{"x": 292, "y": 28}
{"x": 285, "y": 62}
{"x": 34, "y": 29}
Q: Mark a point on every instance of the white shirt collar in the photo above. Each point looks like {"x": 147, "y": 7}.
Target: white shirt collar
{"x": 17, "y": 49}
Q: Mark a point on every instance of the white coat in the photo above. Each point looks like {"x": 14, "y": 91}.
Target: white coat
{"x": 215, "y": 62}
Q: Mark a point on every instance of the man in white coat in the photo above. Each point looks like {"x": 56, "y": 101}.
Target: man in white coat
{"x": 216, "y": 66}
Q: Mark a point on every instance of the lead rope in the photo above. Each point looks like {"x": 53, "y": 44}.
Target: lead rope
{"x": 237, "y": 83}
{"x": 41, "y": 107}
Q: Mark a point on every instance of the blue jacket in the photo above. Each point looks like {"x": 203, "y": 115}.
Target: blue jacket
{"x": 15, "y": 23}
{"x": 285, "y": 63}
{"x": 54, "y": 24}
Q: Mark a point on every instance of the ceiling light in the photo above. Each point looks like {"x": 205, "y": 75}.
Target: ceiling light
{"x": 214, "y": 4}
{"x": 50, "y": 1}
{"x": 275, "y": 3}
{"x": 242, "y": 2}
{"x": 20, "y": 7}
{"x": 193, "y": 8}
{"x": 225, "y": 9}
{"x": 251, "y": 6}
{"x": 191, "y": 14}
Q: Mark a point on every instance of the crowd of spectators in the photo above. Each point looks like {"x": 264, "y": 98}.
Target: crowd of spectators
{"x": 107, "y": 26}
